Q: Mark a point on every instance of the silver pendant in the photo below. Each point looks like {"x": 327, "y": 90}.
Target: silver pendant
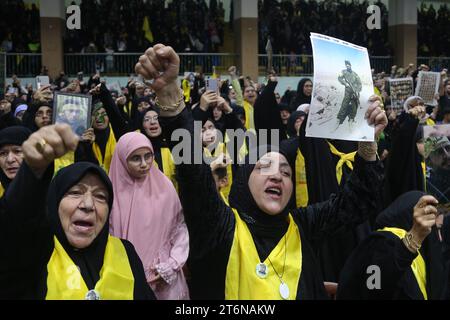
{"x": 261, "y": 270}
{"x": 92, "y": 295}
{"x": 284, "y": 290}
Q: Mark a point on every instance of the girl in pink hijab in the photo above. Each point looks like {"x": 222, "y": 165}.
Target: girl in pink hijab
{"x": 148, "y": 213}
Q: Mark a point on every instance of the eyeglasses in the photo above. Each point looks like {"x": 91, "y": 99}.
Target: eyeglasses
{"x": 147, "y": 157}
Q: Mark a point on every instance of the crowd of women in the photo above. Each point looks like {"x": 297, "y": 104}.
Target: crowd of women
{"x": 112, "y": 215}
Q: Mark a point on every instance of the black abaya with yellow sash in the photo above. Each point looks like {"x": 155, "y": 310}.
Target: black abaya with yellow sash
{"x": 33, "y": 229}
{"x": 212, "y": 224}
{"x": 403, "y": 275}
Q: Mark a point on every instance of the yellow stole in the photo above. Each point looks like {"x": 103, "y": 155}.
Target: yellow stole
{"x": 109, "y": 151}
{"x": 186, "y": 90}
{"x": 242, "y": 282}
{"x": 345, "y": 158}
{"x": 430, "y": 122}
{"x": 2, "y": 190}
{"x": 418, "y": 264}
{"x": 221, "y": 148}
{"x": 168, "y": 166}
{"x": 301, "y": 188}
{"x": 65, "y": 161}
{"x": 249, "y": 116}
{"x": 64, "y": 281}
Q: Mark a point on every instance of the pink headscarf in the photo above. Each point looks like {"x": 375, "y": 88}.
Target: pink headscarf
{"x": 148, "y": 213}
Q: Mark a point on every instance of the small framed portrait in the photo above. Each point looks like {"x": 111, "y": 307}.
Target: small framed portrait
{"x": 74, "y": 110}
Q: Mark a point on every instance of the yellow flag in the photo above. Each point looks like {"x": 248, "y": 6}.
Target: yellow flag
{"x": 148, "y": 31}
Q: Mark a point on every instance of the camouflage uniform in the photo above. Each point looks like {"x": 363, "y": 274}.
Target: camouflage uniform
{"x": 350, "y": 103}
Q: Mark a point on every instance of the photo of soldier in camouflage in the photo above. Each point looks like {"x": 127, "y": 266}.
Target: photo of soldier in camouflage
{"x": 353, "y": 87}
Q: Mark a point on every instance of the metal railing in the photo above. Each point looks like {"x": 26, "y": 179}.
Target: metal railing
{"x": 302, "y": 65}
{"x": 435, "y": 63}
{"x": 122, "y": 64}
{"x": 23, "y": 64}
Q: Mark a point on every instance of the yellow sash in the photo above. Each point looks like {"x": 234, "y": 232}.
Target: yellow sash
{"x": 2, "y": 190}
{"x": 168, "y": 166}
{"x": 221, "y": 148}
{"x": 345, "y": 158}
{"x": 64, "y": 281}
{"x": 65, "y": 161}
{"x": 249, "y": 116}
{"x": 242, "y": 282}
{"x": 186, "y": 90}
{"x": 109, "y": 151}
{"x": 417, "y": 266}
{"x": 301, "y": 188}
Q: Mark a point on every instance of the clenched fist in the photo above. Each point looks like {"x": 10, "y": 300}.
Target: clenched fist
{"x": 160, "y": 64}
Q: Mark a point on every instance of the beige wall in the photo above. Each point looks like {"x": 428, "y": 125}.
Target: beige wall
{"x": 52, "y": 31}
{"x": 246, "y": 44}
{"x": 403, "y": 39}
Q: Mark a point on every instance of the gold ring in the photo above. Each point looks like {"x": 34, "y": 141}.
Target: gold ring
{"x": 40, "y": 145}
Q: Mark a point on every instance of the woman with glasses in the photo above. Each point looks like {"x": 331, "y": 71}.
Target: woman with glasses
{"x": 148, "y": 213}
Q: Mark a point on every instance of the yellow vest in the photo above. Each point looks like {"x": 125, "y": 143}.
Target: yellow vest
{"x": 249, "y": 116}
{"x": 168, "y": 166}
{"x": 418, "y": 264}
{"x": 345, "y": 158}
{"x": 65, "y": 161}
{"x": 242, "y": 281}
{"x": 109, "y": 151}
{"x": 301, "y": 187}
{"x": 64, "y": 280}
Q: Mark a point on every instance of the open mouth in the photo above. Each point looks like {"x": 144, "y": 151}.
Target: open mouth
{"x": 274, "y": 192}
{"x": 83, "y": 226}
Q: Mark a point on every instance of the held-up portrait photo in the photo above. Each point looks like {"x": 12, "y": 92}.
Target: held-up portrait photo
{"x": 74, "y": 110}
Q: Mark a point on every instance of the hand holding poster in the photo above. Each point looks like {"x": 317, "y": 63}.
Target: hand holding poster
{"x": 437, "y": 159}
{"x": 428, "y": 86}
{"x": 342, "y": 88}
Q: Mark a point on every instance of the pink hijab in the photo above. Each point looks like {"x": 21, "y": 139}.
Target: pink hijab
{"x": 148, "y": 213}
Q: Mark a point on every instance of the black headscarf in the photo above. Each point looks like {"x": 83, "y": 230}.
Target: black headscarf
{"x": 290, "y": 128}
{"x": 300, "y": 97}
{"x": 101, "y": 136}
{"x": 30, "y": 115}
{"x": 90, "y": 259}
{"x": 400, "y": 215}
{"x": 266, "y": 229}
{"x": 15, "y": 135}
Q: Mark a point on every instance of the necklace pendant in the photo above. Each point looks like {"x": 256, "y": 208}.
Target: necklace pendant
{"x": 284, "y": 290}
{"x": 92, "y": 295}
{"x": 261, "y": 270}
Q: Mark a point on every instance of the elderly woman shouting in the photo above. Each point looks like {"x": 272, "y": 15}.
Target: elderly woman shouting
{"x": 58, "y": 242}
{"x": 255, "y": 247}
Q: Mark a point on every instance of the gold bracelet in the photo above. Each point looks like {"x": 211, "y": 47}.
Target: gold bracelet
{"x": 412, "y": 246}
{"x": 172, "y": 107}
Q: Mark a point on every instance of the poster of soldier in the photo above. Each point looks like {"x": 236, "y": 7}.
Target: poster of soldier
{"x": 437, "y": 159}
{"x": 428, "y": 86}
{"x": 401, "y": 89}
{"x": 342, "y": 87}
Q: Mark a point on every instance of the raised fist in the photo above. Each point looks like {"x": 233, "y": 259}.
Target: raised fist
{"x": 160, "y": 64}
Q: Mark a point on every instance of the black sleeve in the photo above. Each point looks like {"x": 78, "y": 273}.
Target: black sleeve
{"x": 385, "y": 251}
{"x": 119, "y": 125}
{"x": 142, "y": 290}
{"x": 25, "y": 198}
{"x": 267, "y": 115}
{"x": 208, "y": 219}
{"x": 358, "y": 200}
{"x": 403, "y": 169}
